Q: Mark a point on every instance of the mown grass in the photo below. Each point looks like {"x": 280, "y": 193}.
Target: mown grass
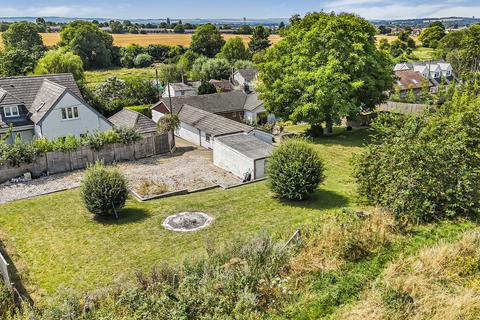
{"x": 54, "y": 241}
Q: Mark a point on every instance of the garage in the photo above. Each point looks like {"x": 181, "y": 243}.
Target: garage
{"x": 242, "y": 154}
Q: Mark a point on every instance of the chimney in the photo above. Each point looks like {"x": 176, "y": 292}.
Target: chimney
{"x": 246, "y": 88}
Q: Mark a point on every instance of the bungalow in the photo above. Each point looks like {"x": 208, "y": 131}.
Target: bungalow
{"x": 127, "y": 118}
{"x": 201, "y": 127}
{"x": 236, "y": 105}
{"x": 48, "y": 106}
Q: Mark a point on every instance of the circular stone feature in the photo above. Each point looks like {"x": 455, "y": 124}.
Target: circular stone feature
{"x": 187, "y": 221}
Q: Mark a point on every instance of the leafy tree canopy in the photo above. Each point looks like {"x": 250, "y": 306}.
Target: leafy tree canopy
{"x": 24, "y": 36}
{"x": 462, "y": 49}
{"x": 60, "y": 61}
{"x": 207, "y": 41}
{"x": 86, "y": 40}
{"x": 432, "y": 34}
{"x": 259, "y": 40}
{"x": 326, "y": 67}
{"x": 234, "y": 50}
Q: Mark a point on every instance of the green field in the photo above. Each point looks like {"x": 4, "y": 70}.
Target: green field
{"x": 54, "y": 241}
{"x": 92, "y": 78}
{"x": 423, "y": 53}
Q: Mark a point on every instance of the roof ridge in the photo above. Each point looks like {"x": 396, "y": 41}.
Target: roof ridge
{"x": 37, "y": 76}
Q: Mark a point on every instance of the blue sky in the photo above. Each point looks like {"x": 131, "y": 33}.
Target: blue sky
{"x": 370, "y": 9}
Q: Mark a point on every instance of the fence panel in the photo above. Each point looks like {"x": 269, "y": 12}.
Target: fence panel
{"x": 59, "y": 161}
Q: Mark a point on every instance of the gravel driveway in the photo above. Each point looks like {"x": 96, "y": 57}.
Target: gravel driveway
{"x": 190, "y": 167}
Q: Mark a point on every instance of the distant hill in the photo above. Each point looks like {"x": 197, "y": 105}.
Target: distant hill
{"x": 448, "y": 22}
{"x": 232, "y": 22}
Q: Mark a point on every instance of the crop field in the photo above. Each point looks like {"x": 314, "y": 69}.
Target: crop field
{"x": 51, "y": 39}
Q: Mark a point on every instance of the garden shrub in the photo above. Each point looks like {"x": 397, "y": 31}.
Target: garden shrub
{"x": 104, "y": 189}
{"x": 17, "y": 153}
{"x": 167, "y": 123}
{"x": 295, "y": 170}
{"x": 143, "y": 109}
{"x": 425, "y": 167}
{"x": 143, "y": 60}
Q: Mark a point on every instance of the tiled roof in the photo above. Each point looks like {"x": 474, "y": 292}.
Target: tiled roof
{"x": 210, "y": 123}
{"x": 410, "y": 79}
{"x": 46, "y": 97}
{"x": 247, "y": 145}
{"x": 214, "y": 103}
{"x": 25, "y": 88}
{"x": 248, "y": 74}
{"x": 232, "y": 101}
{"x": 252, "y": 102}
{"x": 127, "y": 118}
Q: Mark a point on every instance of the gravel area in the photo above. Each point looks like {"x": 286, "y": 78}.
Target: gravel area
{"x": 188, "y": 168}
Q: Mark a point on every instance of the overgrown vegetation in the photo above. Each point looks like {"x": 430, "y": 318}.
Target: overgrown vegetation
{"x": 425, "y": 167}
{"x": 104, "y": 190}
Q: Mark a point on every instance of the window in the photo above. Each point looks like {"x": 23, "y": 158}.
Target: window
{"x": 70, "y": 113}
{"x": 11, "y": 111}
{"x": 207, "y": 137}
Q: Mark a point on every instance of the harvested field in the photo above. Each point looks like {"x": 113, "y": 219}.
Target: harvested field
{"x": 122, "y": 40}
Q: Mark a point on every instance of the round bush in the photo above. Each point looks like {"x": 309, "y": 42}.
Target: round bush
{"x": 295, "y": 170}
{"x": 103, "y": 189}
{"x": 143, "y": 60}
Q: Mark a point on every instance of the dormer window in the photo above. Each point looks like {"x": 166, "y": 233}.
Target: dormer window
{"x": 69, "y": 113}
{"x": 11, "y": 111}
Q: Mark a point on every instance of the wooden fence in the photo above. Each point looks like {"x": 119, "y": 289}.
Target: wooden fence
{"x": 60, "y": 161}
{"x": 401, "y": 107}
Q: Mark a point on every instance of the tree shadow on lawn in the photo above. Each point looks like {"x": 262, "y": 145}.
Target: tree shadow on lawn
{"x": 15, "y": 276}
{"x": 357, "y": 138}
{"x": 125, "y": 216}
{"x": 320, "y": 200}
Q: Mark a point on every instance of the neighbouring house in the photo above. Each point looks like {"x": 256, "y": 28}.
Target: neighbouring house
{"x": 245, "y": 78}
{"x": 201, "y": 127}
{"x": 222, "y": 85}
{"x": 236, "y": 105}
{"x": 180, "y": 89}
{"x": 127, "y": 118}
{"x": 48, "y": 106}
{"x": 242, "y": 154}
{"x": 410, "y": 80}
{"x": 434, "y": 71}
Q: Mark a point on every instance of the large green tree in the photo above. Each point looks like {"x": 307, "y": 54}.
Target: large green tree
{"x": 432, "y": 34}
{"x": 259, "y": 40}
{"x": 234, "y": 50}
{"x": 60, "y": 61}
{"x": 326, "y": 67}
{"x": 23, "y": 46}
{"x": 207, "y": 41}
{"x": 462, "y": 49}
{"x": 25, "y": 36}
{"x": 86, "y": 40}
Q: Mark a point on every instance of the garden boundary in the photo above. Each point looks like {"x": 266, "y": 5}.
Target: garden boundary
{"x": 63, "y": 161}
{"x": 4, "y": 270}
{"x": 401, "y": 107}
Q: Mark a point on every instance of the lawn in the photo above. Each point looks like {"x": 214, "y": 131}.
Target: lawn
{"x": 53, "y": 241}
{"x": 170, "y": 39}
